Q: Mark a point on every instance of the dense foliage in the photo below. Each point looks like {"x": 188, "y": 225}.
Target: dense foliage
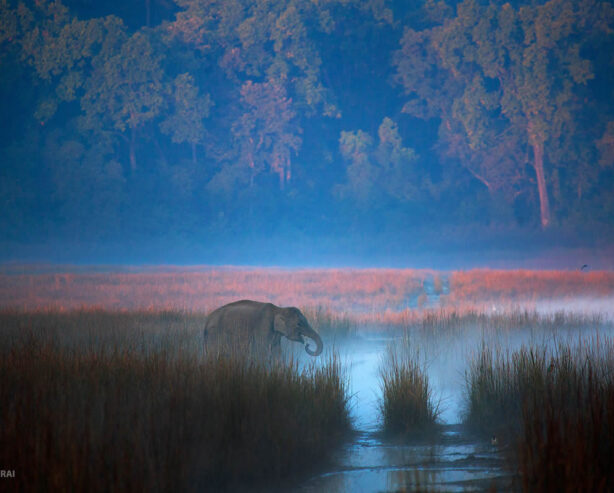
{"x": 209, "y": 120}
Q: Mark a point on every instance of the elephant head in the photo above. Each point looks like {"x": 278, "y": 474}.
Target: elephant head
{"x": 291, "y": 323}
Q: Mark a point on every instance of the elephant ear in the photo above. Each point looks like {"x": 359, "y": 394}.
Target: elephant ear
{"x": 279, "y": 324}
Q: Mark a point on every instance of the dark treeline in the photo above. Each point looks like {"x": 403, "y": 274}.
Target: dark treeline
{"x": 216, "y": 120}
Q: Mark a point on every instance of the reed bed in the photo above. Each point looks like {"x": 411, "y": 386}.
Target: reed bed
{"x": 516, "y": 318}
{"x": 330, "y": 324}
{"x": 375, "y": 297}
{"x": 98, "y": 401}
{"x": 497, "y": 382}
{"x": 554, "y": 405}
{"x": 204, "y": 289}
{"x": 567, "y": 441}
{"x": 488, "y": 285}
{"x": 407, "y": 406}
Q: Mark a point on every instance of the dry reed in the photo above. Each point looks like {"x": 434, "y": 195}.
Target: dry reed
{"x": 381, "y": 297}
{"x": 407, "y": 404}
{"x": 554, "y": 405}
{"x": 99, "y": 401}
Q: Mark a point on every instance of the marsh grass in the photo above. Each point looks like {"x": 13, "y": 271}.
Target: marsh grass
{"x": 383, "y": 298}
{"x": 490, "y": 285}
{"x": 555, "y": 407}
{"x": 452, "y": 319}
{"x": 497, "y": 382}
{"x": 330, "y": 324}
{"x": 407, "y": 405}
{"x": 205, "y": 288}
{"x": 99, "y": 401}
{"x": 567, "y": 443}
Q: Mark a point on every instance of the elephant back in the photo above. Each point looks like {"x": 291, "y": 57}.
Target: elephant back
{"x": 240, "y": 328}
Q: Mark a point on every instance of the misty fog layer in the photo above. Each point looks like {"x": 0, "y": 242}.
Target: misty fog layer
{"x": 445, "y": 359}
{"x": 447, "y": 321}
{"x": 305, "y": 133}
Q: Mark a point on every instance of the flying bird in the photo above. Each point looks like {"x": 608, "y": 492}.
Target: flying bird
{"x": 584, "y": 268}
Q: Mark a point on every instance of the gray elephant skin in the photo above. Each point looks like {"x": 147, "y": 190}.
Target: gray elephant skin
{"x": 259, "y": 326}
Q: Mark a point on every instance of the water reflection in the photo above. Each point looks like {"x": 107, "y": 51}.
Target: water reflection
{"x": 450, "y": 461}
{"x": 453, "y": 462}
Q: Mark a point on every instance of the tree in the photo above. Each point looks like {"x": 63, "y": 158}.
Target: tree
{"x": 270, "y": 62}
{"x": 377, "y": 173}
{"x": 189, "y": 109}
{"x": 362, "y": 174}
{"x": 116, "y": 77}
{"x": 57, "y": 47}
{"x": 87, "y": 183}
{"x": 266, "y": 132}
{"x": 260, "y": 41}
{"x": 506, "y": 81}
{"x": 126, "y": 88}
{"x": 606, "y": 146}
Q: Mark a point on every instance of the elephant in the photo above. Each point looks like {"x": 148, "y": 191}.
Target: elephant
{"x": 260, "y": 325}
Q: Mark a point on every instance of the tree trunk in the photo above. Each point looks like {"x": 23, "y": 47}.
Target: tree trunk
{"x": 132, "y": 149}
{"x": 538, "y": 164}
{"x": 281, "y": 179}
{"x": 160, "y": 152}
{"x": 281, "y": 165}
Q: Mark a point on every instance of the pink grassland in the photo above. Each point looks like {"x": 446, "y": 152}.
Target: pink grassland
{"x": 368, "y": 296}
{"x": 527, "y": 285}
{"x": 338, "y": 289}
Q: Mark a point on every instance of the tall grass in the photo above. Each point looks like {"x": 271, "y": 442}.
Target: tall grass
{"x": 555, "y": 405}
{"x": 490, "y": 285}
{"x": 99, "y": 401}
{"x": 205, "y": 288}
{"x": 330, "y": 324}
{"x": 407, "y": 405}
{"x": 452, "y": 319}
{"x": 568, "y": 430}
{"x": 497, "y": 382}
{"x": 382, "y": 297}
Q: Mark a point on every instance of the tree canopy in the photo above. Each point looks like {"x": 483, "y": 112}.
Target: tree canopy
{"x": 201, "y": 118}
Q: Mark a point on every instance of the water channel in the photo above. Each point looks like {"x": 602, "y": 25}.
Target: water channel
{"x": 453, "y": 461}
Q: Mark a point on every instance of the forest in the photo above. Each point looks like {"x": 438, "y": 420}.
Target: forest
{"x": 217, "y": 122}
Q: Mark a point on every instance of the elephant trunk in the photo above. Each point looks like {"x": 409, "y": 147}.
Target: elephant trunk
{"x": 315, "y": 337}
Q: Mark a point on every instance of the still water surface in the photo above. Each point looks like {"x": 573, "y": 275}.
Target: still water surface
{"x": 453, "y": 461}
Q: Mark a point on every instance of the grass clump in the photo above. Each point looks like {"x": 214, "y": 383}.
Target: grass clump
{"x": 496, "y": 384}
{"x": 555, "y": 406}
{"x": 142, "y": 410}
{"x": 567, "y": 442}
{"x": 407, "y": 405}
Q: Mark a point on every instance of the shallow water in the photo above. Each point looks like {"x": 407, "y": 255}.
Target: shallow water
{"x": 453, "y": 461}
